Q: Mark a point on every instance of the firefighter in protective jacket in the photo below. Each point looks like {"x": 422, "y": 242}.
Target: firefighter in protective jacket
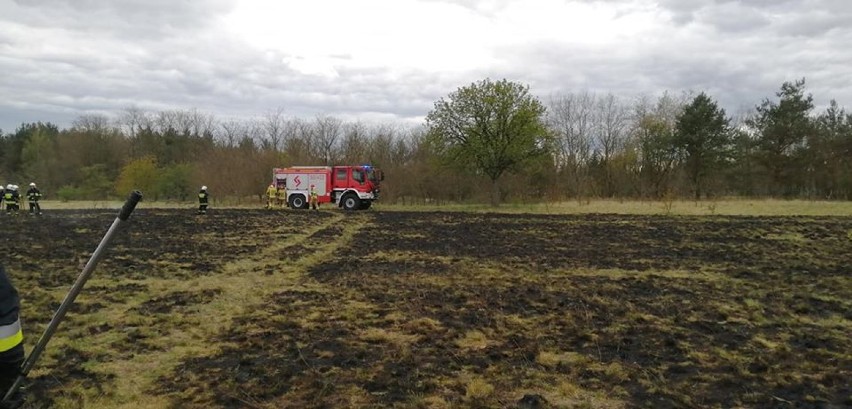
{"x": 271, "y": 191}
{"x": 314, "y": 198}
{"x": 33, "y": 196}
{"x": 281, "y": 195}
{"x": 11, "y": 340}
{"x": 11, "y": 196}
{"x": 203, "y": 199}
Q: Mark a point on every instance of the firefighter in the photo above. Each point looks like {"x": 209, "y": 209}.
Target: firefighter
{"x": 203, "y": 200}
{"x": 16, "y": 198}
{"x": 33, "y": 196}
{"x": 281, "y": 195}
{"x": 9, "y": 195}
{"x": 271, "y": 191}
{"x": 314, "y": 199}
{"x": 11, "y": 340}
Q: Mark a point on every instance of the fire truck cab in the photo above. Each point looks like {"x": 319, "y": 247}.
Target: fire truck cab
{"x": 349, "y": 187}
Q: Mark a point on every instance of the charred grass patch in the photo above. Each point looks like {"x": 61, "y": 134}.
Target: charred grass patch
{"x": 265, "y": 309}
{"x": 617, "y": 310}
{"x": 168, "y": 284}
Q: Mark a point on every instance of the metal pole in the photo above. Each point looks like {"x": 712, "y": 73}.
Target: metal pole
{"x": 128, "y": 207}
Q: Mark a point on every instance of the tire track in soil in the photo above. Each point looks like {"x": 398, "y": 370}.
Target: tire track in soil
{"x": 313, "y": 344}
{"x": 281, "y": 267}
{"x": 239, "y": 288}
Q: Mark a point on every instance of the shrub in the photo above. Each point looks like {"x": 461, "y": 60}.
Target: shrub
{"x": 66, "y": 193}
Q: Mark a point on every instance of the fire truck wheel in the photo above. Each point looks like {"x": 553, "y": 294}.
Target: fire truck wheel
{"x": 351, "y": 202}
{"x": 298, "y": 202}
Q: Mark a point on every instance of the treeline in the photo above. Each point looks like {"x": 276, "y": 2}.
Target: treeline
{"x": 601, "y": 146}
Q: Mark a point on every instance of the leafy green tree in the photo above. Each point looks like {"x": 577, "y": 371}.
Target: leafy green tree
{"x": 68, "y": 192}
{"x": 781, "y": 129}
{"x": 141, "y": 174}
{"x": 96, "y": 183}
{"x": 39, "y": 156}
{"x": 490, "y": 128}
{"x": 175, "y": 181}
{"x": 703, "y": 134}
{"x": 654, "y": 131}
{"x": 12, "y": 147}
{"x": 659, "y": 154}
{"x": 741, "y": 171}
{"x": 829, "y": 154}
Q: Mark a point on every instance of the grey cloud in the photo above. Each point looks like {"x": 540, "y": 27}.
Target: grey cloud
{"x": 686, "y": 11}
{"x": 122, "y": 18}
{"x": 815, "y": 23}
{"x": 744, "y": 59}
{"x": 741, "y": 77}
{"x": 485, "y": 7}
{"x": 733, "y": 17}
{"x": 219, "y": 75}
{"x": 788, "y": 17}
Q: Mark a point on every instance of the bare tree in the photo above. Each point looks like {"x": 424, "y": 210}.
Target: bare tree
{"x": 255, "y": 131}
{"x": 571, "y": 118}
{"x": 653, "y": 131}
{"x": 611, "y": 126}
{"x": 165, "y": 121}
{"x": 93, "y": 123}
{"x": 384, "y": 145}
{"x": 133, "y": 119}
{"x": 405, "y": 147}
{"x": 298, "y": 142}
{"x": 232, "y": 131}
{"x": 274, "y": 125}
{"x": 183, "y": 122}
{"x": 199, "y": 124}
{"x": 353, "y": 147}
{"x": 328, "y": 130}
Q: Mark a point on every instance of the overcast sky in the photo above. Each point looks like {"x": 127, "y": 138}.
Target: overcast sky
{"x": 378, "y": 60}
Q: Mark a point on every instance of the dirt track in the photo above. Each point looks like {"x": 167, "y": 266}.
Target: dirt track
{"x": 248, "y": 308}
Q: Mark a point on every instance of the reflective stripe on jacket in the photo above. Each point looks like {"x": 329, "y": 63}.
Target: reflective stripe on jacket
{"x": 10, "y": 323}
{"x": 10, "y": 335}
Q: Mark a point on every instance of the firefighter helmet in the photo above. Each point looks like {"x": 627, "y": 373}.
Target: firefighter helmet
{"x": 32, "y": 184}
{"x": 203, "y": 187}
{"x": 10, "y": 186}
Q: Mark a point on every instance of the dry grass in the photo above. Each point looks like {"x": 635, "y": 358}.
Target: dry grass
{"x": 473, "y": 341}
{"x": 477, "y": 388}
{"x": 730, "y": 207}
{"x": 738, "y": 207}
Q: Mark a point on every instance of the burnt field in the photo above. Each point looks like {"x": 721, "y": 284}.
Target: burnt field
{"x": 270, "y": 309}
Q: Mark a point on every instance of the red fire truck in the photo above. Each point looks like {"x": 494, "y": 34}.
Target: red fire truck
{"x": 349, "y": 187}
